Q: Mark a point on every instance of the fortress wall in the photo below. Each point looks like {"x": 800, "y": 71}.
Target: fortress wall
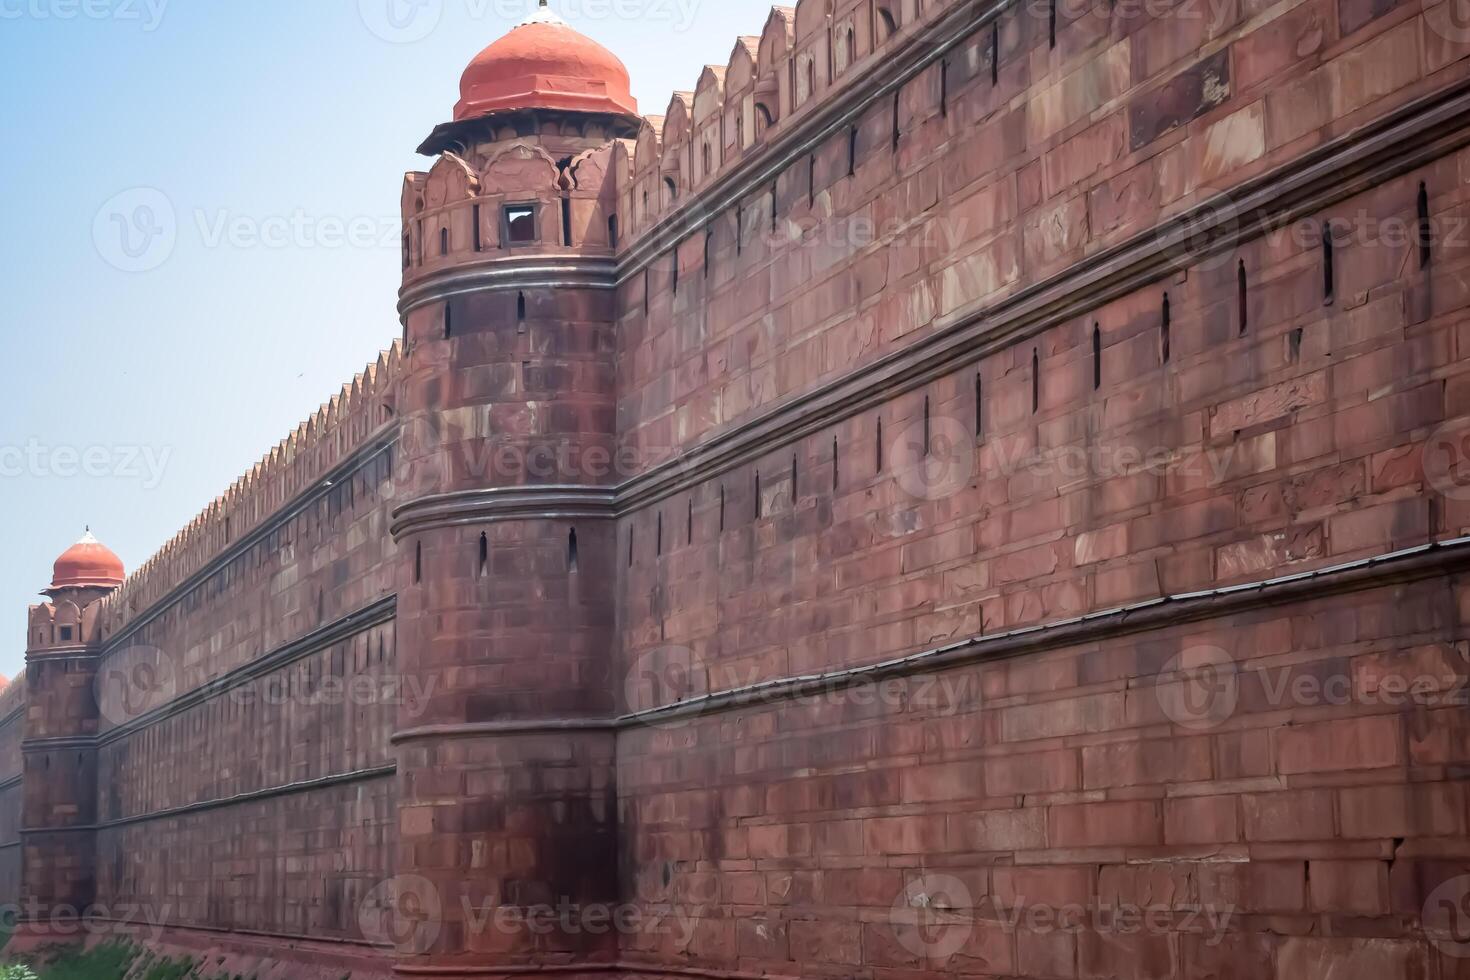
{"x": 778, "y": 840}
{"x": 12, "y": 722}
{"x": 244, "y": 772}
{"x": 1129, "y": 119}
{"x": 1285, "y": 431}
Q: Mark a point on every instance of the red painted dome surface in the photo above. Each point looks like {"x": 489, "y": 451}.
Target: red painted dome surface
{"x": 87, "y": 563}
{"x": 544, "y": 64}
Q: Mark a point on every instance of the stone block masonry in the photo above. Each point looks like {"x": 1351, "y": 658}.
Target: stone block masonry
{"x": 971, "y": 490}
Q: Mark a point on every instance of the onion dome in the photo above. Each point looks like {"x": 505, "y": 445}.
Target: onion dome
{"x": 87, "y": 564}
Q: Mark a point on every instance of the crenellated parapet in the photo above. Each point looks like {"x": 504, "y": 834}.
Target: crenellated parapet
{"x": 362, "y": 408}
{"x": 804, "y": 55}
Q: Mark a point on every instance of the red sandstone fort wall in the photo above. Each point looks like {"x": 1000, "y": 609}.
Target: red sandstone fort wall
{"x": 914, "y": 404}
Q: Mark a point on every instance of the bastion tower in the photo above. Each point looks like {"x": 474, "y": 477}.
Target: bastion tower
{"x": 504, "y": 520}
{"x": 59, "y": 811}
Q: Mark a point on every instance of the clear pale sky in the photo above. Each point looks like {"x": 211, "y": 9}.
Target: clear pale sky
{"x": 152, "y": 361}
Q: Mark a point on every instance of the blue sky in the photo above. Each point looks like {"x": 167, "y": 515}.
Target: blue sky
{"x": 148, "y": 371}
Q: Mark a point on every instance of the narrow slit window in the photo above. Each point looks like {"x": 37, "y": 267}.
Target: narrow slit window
{"x": 1096, "y": 357}
{"x": 418, "y": 562}
{"x": 630, "y": 545}
{"x": 674, "y": 259}
{"x": 707, "y": 238}
{"x": 1295, "y": 345}
{"x": 794, "y": 484}
{"x": 1329, "y": 285}
{"x": 773, "y": 208}
{"x": 1425, "y": 234}
{"x": 722, "y": 507}
{"x": 944, "y": 88}
{"x": 484, "y": 553}
{"x": 658, "y": 540}
{"x": 1035, "y": 380}
{"x": 476, "y": 237}
{"x": 612, "y": 231}
{"x": 572, "y": 556}
{"x": 566, "y": 221}
{"x": 979, "y": 407}
{"x": 897, "y": 134}
{"x": 1164, "y": 326}
{"x": 689, "y": 524}
{"x": 811, "y": 180}
{"x": 757, "y": 495}
{"x": 443, "y": 241}
{"x": 927, "y": 441}
{"x": 520, "y": 224}
{"x": 1051, "y": 23}
{"x": 852, "y": 142}
{"x": 834, "y": 463}
{"x": 521, "y": 307}
{"x": 995, "y": 53}
{"x": 878, "y": 447}
{"x": 448, "y": 320}
{"x": 1240, "y": 297}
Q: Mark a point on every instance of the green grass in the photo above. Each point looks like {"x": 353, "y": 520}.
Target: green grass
{"x": 108, "y": 961}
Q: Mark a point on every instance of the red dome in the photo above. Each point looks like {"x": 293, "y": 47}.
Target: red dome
{"x": 544, "y": 64}
{"x": 87, "y": 563}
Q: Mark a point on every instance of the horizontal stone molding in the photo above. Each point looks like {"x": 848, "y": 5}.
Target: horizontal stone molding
{"x": 374, "y": 614}
{"x": 550, "y": 502}
{"x": 533, "y": 726}
{"x": 1402, "y": 140}
{"x": 381, "y": 441}
{"x": 10, "y": 782}
{"x": 520, "y": 272}
{"x": 1411, "y": 564}
{"x": 204, "y": 806}
{"x": 58, "y": 743}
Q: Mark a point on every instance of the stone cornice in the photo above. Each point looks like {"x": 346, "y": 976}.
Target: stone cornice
{"x": 516, "y": 272}
{"x": 560, "y": 501}
{"x": 1409, "y": 565}
{"x": 374, "y": 614}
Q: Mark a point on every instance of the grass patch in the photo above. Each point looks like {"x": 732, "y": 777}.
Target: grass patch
{"x": 108, "y": 961}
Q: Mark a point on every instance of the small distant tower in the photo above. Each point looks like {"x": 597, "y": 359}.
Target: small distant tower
{"x": 58, "y": 843}
{"x": 505, "y": 528}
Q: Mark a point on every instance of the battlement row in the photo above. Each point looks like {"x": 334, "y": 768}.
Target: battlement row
{"x": 333, "y": 433}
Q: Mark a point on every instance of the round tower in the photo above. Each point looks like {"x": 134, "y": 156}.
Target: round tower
{"x": 507, "y": 802}
{"x": 61, "y": 724}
